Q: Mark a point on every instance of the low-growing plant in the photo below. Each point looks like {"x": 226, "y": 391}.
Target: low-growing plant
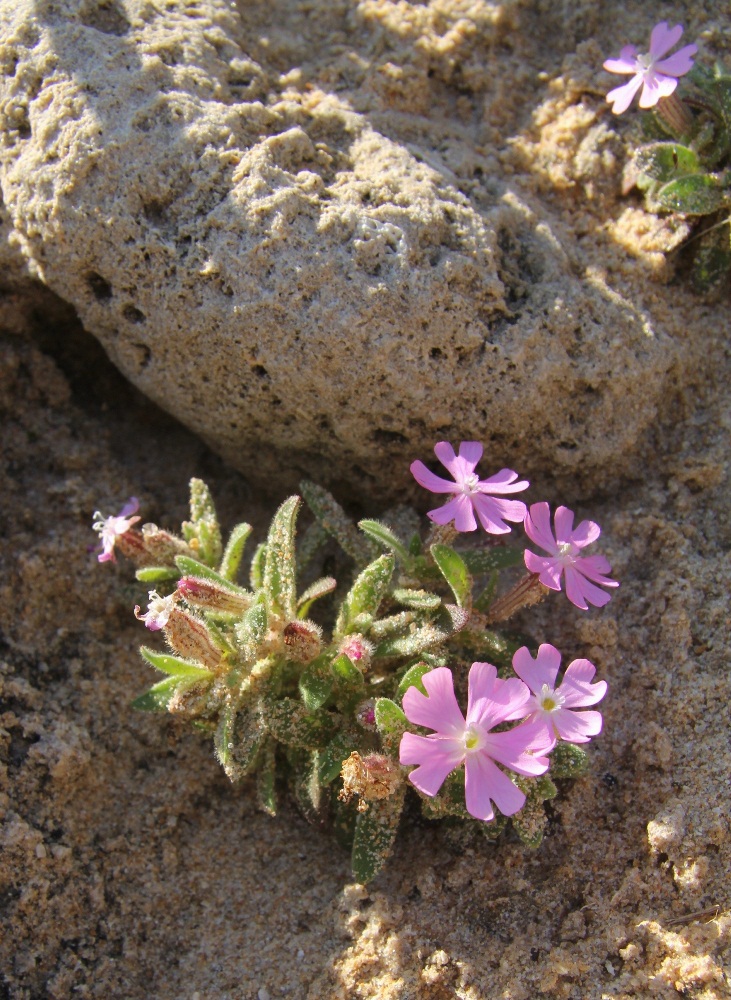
{"x": 684, "y": 165}
{"x": 349, "y": 711}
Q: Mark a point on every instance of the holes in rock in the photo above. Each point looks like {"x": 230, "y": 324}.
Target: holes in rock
{"x": 436, "y": 353}
{"x": 99, "y": 287}
{"x": 143, "y": 355}
{"x": 260, "y": 371}
{"x": 107, "y": 18}
{"x": 133, "y": 315}
{"x": 381, "y": 436}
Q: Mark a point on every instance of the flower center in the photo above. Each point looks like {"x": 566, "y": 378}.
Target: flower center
{"x": 473, "y": 738}
{"x": 644, "y": 62}
{"x": 566, "y": 552}
{"x": 549, "y": 700}
{"x": 471, "y": 483}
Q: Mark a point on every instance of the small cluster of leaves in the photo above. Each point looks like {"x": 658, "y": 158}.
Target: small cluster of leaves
{"x": 687, "y": 169}
{"x": 286, "y": 704}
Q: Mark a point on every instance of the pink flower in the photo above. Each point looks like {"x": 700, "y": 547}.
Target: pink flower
{"x": 158, "y": 610}
{"x": 656, "y": 76}
{"x": 457, "y": 741}
{"x": 472, "y": 493}
{"x": 552, "y": 706}
{"x": 109, "y": 528}
{"x": 582, "y": 572}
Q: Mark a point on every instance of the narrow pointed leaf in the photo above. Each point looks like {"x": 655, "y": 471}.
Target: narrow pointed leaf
{"x": 280, "y": 569}
{"x": 316, "y": 683}
{"x": 252, "y": 630}
{"x": 238, "y": 740}
{"x": 482, "y": 561}
{"x": 432, "y": 632}
{"x": 314, "y": 592}
{"x": 349, "y": 686}
{"x": 291, "y": 723}
{"x": 386, "y": 538}
{"x": 330, "y": 761}
{"x": 266, "y": 778}
{"x": 174, "y": 665}
{"x": 156, "y": 574}
{"x": 202, "y": 531}
{"x": 375, "y": 833}
{"x": 421, "y": 600}
{"x": 336, "y": 522}
{"x": 455, "y": 572}
{"x": 258, "y": 564}
{"x": 158, "y": 697}
{"x": 397, "y": 624}
{"x": 366, "y": 594}
{"x": 234, "y": 551}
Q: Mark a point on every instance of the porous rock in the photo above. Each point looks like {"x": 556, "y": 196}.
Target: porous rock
{"x": 307, "y": 291}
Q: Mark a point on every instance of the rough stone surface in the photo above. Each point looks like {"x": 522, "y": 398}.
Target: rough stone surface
{"x": 303, "y": 225}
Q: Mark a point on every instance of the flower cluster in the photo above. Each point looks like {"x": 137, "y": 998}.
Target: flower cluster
{"x": 472, "y": 495}
{"x": 547, "y": 713}
{"x": 352, "y": 710}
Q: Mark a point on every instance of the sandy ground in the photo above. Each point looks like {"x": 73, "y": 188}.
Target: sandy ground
{"x": 131, "y": 868}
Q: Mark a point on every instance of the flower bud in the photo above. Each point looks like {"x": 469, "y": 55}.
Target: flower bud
{"x": 132, "y": 545}
{"x": 365, "y": 714}
{"x": 189, "y": 637}
{"x": 191, "y": 702}
{"x": 162, "y": 546}
{"x": 372, "y": 777}
{"x": 358, "y": 650}
{"x": 212, "y": 596}
{"x": 302, "y": 641}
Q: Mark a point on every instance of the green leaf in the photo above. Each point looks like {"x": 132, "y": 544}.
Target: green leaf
{"x": 330, "y": 761}
{"x": 291, "y": 723}
{"x": 316, "y": 683}
{"x": 314, "y": 592}
{"x": 266, "y": 777}
{"x": 203, "y": 527}
{"x": 568, "y": 761}
{"x": 455, "y": 572}
{"x": 436, "y": 630}
{"x": 158, "y": 697}
{"x": 697, "y": 194}
{"x": 258, "y": 564}
{"x": 412, "y": 678}
{"x": 481, "y": 561}
{"x": 335, "y": 521}
{"x": 239, "y": 737}
{"x": 365, "y": 595}
{"x": 390, "y": 718}
{"x": 712, "y": 261}
{"x": 375, "y": 833}
{"x": 280, "y": 569}
{"x": 398, "y": 623}
{"x": 191, "y": 567}
{"x": 156, "y": 574}
{"x": 252, "y": 630}
{"x": 421, "y": 600}
{"x": 175, "y": 665}
{"x": 498, "y": 648}
{"x": 349, "y": 684}
{"x": 387, "y": 539}
{"x": 234, "y": 551}
{"x": 485, "y": 599}
{"x": 449, "y": 801}
{"x": 666, "y": 161}
{"x": 310, "y": 543}
{"x": 305, "y": 785}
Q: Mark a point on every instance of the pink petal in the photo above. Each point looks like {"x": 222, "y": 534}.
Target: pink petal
{"x": 679, "y": 63}
{"x": 563, "y": 522}
{"x": 537, "y": 526}
{"x": 107, "y": 556}
{"x": 436, "y": 759}
{"x": 460, "y": 466}
{"x": 459, "y": 510}
{"x": 521, "y": 749}
{"x": 585, "y": 533}
{"x": 579, "y": 590}
{"x": 626, "y": 62}
{"x": 483, "y": 782}
{"x": 492, "y": 510}
{"x": 431, "y": 482}
{"x": 621, "y": 97}
{"x": 492, "y": 700}
{"x": 131, "y": 507}
{"x": 577, "y": 689}
{"x": 594, "y": 568}
{"x": 503, "y": 482}
{"x": 663, "y": 38}
{"x": 655, "y": 88}
{"x": 577, "y": 727}
{"x": 439, "y": 711}
{"x": 549, "y": 570}
{"x": 539, "y": 671}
